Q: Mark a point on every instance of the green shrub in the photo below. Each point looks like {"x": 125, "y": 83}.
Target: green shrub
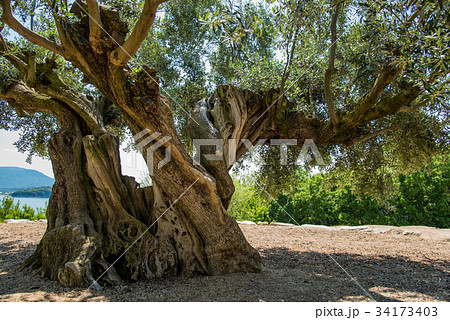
{"x": 313, "y": 202}
{"x": 11, "y": 210}
{"x": 424, "y": 196}
{"x": 247, "y": 204}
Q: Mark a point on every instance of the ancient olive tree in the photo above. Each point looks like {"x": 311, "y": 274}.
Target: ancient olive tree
{"x": 101, "y": 223}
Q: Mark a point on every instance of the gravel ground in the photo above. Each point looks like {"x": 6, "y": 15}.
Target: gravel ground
{"x": 299, "y": 264}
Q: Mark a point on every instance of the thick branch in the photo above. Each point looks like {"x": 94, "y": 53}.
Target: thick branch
{"x": 329, "y": 71}
{"x": 17, "y": 93}
{"x": 78, "y": 102}
{"x": 95, "y": 22}
{"x": 349, "y": 130}
{"x": 31, "y": 36}
{"x": 121, "y": 55}
{"x": 53, "y": 92}
{"x": 387, "y": 76}
{"x": 392, "y": 105}
{"x": 230, "y": 113}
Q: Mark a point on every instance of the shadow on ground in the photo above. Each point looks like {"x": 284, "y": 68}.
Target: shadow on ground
{"x": 287, "y": 276}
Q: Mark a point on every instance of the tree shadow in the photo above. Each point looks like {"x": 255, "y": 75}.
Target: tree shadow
{"x": 304, "y": 276}
{"x": 382, "y": 278}
{"x": 14, "y": 279}
{"x": 287, "y": 275}
{"x": 14, "y": 252}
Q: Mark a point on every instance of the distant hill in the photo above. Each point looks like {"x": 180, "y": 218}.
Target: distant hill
{"x": 41, "y": 192}
{"x": 14, "y": 178}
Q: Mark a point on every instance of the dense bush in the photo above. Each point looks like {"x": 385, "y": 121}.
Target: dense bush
{"x": 11, "y": 210}
{"x": 424, "y": 196}
{"x": 421, "y": 198}
{"x": 313, "y": 202}
{"x": 247, "y": 204}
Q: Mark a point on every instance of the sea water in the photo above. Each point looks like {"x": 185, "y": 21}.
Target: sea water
{"x": 31, "y": 202}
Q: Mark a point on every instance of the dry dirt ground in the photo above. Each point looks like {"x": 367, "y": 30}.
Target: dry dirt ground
{"x": 299, "y": 264}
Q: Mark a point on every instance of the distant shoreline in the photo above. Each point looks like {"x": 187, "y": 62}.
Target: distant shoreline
{"x": 40, "y": 192}
{"x": 27, "y": 197}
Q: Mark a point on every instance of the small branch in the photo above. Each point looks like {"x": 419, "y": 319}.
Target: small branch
{"x": 374, "y": 134}
{"x": 424, "y": 17}
{"x": 95, "y": 22}
{"x": 413, "y": 108}
{"x": 4, "y": 51}
{"x": 19, "y": 64}
{"x": 31, "y": 74}
{"x": 290, "y": 57}
{"x": 121, "y": 55}
{"x": 311, "y": 102}
{"x": 413, "y": 17}
{"x": 66, "y": 43}
{"x": 329, "y": 72}
{"x": 359, "y": 74}
{"x": 31, "y": 36}
{"x": 4, "y": 44}
{"x": 287, "y": 68}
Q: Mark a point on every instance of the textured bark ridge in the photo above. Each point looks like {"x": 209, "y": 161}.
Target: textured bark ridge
{"x": 102, "y": 223}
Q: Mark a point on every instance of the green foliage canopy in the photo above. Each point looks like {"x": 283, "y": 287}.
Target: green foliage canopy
{"x": 262, "y": 45}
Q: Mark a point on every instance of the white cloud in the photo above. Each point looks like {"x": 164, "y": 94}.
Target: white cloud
{"x": 14, "y": 158}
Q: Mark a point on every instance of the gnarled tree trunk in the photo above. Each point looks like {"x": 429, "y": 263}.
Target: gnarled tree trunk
{"x": 101, "y": 223}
